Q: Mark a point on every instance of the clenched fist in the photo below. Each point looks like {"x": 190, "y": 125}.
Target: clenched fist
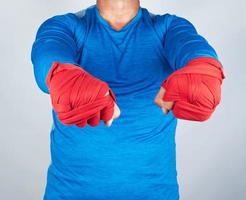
{"x": 194, "y": 91}
{"x": 79, "y": 98}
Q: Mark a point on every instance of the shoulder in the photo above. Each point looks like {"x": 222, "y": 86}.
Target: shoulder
{"x": 67, "y": 20}
{"x": 157, "y": 19}
{"x": 71, "y": 24}
{"x": 85, "y": 12}
{"x": 70, "y": 20}
{"x": 160, "y": 22}
{"x": 163, "y": 22}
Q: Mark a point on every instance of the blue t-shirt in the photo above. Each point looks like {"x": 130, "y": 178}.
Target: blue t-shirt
{"x": 135, "y": 158}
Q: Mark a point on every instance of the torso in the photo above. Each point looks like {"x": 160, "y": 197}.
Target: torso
{"x": 136, "y": 155}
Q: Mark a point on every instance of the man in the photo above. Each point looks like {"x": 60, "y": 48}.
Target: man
{"x": 117, "y": 61}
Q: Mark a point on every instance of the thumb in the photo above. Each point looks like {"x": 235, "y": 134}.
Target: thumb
{"x": 164, "y": 105}
{"x": 115, "y": 115}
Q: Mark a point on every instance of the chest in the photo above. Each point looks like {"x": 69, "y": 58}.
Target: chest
{"x": 130, "y": 60}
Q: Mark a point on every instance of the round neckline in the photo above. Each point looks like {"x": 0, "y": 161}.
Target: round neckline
{"x": 128, "y": 25}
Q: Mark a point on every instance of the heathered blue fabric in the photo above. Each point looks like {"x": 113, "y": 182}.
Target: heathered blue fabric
{"x": 135, "y": 158}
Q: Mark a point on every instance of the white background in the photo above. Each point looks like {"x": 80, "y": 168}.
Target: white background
{"x": 211, "y": 159}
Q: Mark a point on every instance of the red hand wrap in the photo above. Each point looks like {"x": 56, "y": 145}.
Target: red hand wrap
{"x": 78, "y": 97}
{"x": 195, "y": 89}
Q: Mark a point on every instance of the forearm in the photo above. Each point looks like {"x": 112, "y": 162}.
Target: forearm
{"x": 54, "y": 42}
{"x": 183, "y": 43}
{"x": 43, "y": 62}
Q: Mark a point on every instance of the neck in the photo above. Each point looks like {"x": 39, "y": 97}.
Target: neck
{"x": 118, "y": 12}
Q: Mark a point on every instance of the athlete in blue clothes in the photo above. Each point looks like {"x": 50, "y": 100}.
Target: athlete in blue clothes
{"x": 133, "y": 51}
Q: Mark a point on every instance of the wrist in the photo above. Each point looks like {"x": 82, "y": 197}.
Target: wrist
{"x": 58, "y": 67}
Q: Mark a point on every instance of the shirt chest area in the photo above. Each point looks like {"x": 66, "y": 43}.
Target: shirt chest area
{"x": 136, "y": 54}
